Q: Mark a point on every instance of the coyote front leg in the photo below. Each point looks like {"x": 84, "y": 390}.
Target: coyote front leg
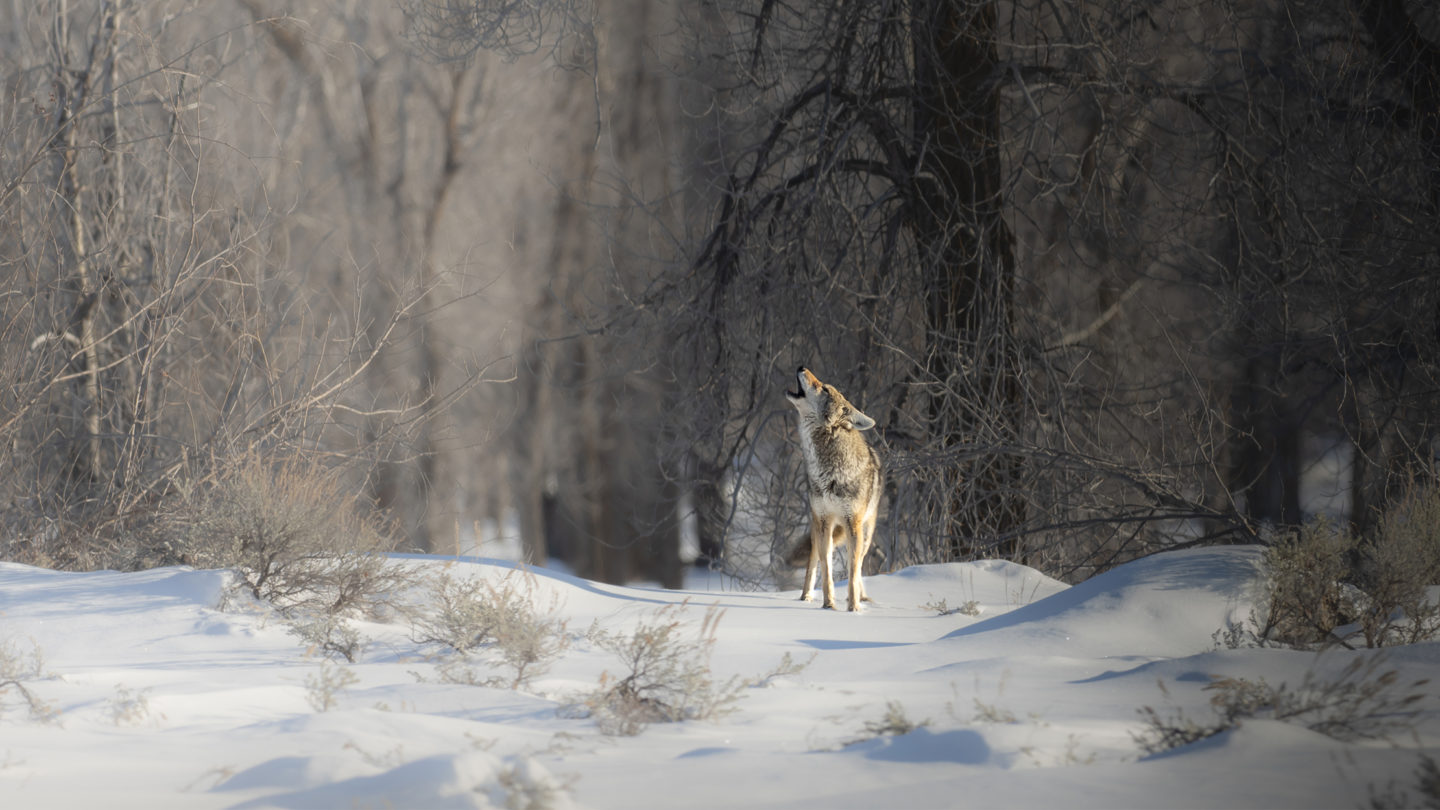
{"x": 827, "y": 549}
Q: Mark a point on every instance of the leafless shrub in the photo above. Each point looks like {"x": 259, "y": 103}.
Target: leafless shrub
{"x": 488, "y": 624}
{"x": 329, "y": 634}
{"x": 1175, "y": 731}
{"x": 941, "y": 607}
{"x": 1397, "y": 567}
{"x": 1427, "y": 782}
{"x": 325, "y": 684}
{"x": 664, "y": 677}
{"x": 1305, "y": 597}
{"x": 787, "y": 667}
{"x": 1244, "y": 634}
{"x": 526, "y": 785}
{"x": 294, "y": 532}
{"x": 893, "y": 723}
{"x": 129, "y": 706}
{"x": 993, "y": 713}
{"x": 1364, "y": 702}
{"x": 1323, "y": 577}
{"x": 16, "y": 668}
{"x": 1428, "y": 777}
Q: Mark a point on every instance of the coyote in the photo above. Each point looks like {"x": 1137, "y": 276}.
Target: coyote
{"x": 844, "y": 473}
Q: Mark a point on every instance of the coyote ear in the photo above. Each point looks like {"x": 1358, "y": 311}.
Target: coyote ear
{"x": 860, "y": 421}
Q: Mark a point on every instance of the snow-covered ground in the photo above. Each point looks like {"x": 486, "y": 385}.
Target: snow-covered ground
{"x": 167, "y": 699}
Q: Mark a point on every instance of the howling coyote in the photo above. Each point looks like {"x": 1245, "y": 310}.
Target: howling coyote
{"x": 844, "y": 474}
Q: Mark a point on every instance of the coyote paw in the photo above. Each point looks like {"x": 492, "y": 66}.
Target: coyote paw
{"x": 828, "y": 606}
{"x": 854, "y": 607}
{"x": 807, "y": 597}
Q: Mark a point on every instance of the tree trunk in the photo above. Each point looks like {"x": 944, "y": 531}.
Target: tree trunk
{"x": 967, "y": 251}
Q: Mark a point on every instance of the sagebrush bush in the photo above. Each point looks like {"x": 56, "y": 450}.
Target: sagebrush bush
{"x": 323, "y": 687}
{"x": 664, "y": 677}
{"x": 329, "y": 634}
{"x": 1364, "y": 702}
{"x": 16, "y": 668}
{"x": 1427, "y": 781}
{"x": 297, "y": 536}
{"x": 1322, "y": 577}
{"x": 1397, "y": 567}
{"x": 491, "y": 625}
{"x": 1306, "y": 597}
{"x": 787, "y": 668}
{"x": 893, "y": 723}
{"x": 129, "y": 707}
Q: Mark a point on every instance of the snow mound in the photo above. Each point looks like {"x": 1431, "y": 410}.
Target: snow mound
{"x": 1162, "y": 606}
{"x": 473, "y": 780}
{"x": 995, "y": 586}
{"x": 961, "y": 746}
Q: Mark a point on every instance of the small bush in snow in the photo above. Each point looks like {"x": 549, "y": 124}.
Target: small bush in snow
{"x": 1363, "y": 703}
{"x": 787, "y": 667}
{"x": 294, "y": 532}
{"x": 942, "y": 607}
{"x": 329, "y": 634}
{"x": 324, "y": 686}
{"x": 16, "y": 668}
{"x": 490, "y": 625}
{"x": 129, "y": 707}
{"x": 1175, "y": 731}
{"x": 526, "y": 785}
{"x": 1427, "y": 783}
{"x": 1397, "y": 566}
{"x": 664, "y": 676}
{"x": 893, "y": 723}
{"x": 1238, "y": 635}
{"x": 993, "y": 713}
{"x": 1306, "y": 597}
{"x": 1323, "y": 578}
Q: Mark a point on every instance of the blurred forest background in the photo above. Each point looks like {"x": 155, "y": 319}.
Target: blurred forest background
{"x": 1112, "y": 276}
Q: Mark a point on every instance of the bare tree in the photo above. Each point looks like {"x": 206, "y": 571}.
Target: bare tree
{"x": 149, "y": 326}
{"x": 590, "y": 485}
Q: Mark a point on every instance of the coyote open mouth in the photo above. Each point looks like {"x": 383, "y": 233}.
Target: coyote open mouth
{"x": 799, "y": 391}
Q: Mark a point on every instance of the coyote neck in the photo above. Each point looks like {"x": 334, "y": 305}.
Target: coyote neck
{"x": 837, "y": 461}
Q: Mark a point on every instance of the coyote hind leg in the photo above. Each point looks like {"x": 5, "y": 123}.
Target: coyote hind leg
{"x": 807, "y": 594}
{"x": 868, "y": 528}
{"x": 856, "y": 527}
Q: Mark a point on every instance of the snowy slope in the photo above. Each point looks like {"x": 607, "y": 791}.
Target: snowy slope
{"x": 167, "y": 700}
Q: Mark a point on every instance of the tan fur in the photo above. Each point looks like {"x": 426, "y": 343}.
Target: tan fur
{"x": 844, "y": 474}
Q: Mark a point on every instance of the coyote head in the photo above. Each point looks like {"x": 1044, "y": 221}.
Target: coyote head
{"x": 820, "y": 404}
